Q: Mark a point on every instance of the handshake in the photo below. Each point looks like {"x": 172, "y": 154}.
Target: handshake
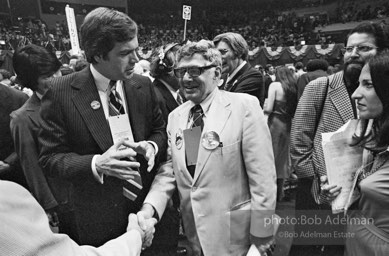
{"x": 144, "y": 224}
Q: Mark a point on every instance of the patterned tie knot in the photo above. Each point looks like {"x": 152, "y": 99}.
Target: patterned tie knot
{"x": 197, "y": 116}
{"x": 115, "y": 101}
{"x": 112, "y": 85}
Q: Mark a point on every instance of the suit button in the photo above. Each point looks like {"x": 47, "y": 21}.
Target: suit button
{"x": 194, "y": 189}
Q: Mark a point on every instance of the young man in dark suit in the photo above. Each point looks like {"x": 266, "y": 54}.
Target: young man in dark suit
{"x": 94, "y": 121}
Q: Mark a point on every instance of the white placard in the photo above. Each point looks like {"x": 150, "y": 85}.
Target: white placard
{"x": 73, "y": 34}
{"x": 186, "y": 12}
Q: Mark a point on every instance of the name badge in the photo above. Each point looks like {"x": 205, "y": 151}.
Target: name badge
{"x": 120, "y": 128}
{"x": 192, "y": 141}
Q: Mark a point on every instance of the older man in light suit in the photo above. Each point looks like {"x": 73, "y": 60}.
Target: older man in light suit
{"x": 227, "y": 188}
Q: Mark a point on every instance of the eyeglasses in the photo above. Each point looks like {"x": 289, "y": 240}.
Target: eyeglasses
{"x": 360, "y": 48}
{"x": 192, "y": 71}
{"x": 223, "y": 51}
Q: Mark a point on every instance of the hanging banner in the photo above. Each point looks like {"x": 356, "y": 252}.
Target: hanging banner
{"x": 72, "y": 30}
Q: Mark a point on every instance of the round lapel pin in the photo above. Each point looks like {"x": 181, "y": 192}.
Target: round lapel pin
{"x": 179, "y": 135}
{"x": 210, "y": 140}
{"x": 95, "y": 105}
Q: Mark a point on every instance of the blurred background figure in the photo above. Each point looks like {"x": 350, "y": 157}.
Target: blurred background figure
{"x": 34, "y": 66}
{"x": 315, "y": 68}
{"x": 299, "y": 66}
{"x": 165, "y": 83}
{"x": 10, "y": 100}
{"x": 269, "y": 77}
{"x": 5, "y": 77}
{"x": 238, "y": 74}
{"x": 169, "y": 97}
{"x": 281, "y": 105}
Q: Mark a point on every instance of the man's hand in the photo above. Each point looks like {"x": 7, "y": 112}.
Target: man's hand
{"x": 4, "y": 167}
{"x": 330, "y": 192}
{"x": 144, "y": 148}
{"x": 133, "y": 224}
{"x": 268, "y": 248}
{"x": 110, "y": 162}
{"x": 147, "y": 224}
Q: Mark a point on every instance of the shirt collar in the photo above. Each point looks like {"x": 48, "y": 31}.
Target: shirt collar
{"x": 206, "y": 103}
{"x": 236, "y": 71}
{"x": 101, "y": 81}
{"x": 39, "y": 95}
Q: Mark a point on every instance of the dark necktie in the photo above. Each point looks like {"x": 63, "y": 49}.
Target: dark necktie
{"x": 131, "y": 187}
{"x": 196, "y": 114}
{"x": 115, "y": 101}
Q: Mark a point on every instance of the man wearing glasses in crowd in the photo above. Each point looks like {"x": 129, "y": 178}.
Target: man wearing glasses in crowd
{"x": 325, "y": 106}
{"x": 227, "y": 188}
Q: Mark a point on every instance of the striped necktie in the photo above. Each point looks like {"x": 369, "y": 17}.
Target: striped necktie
{"x": 115, "y": 101}
{"x": 196, "y": 114}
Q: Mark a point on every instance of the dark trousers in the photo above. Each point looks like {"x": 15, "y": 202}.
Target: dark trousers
{"x": 306, "y": 202}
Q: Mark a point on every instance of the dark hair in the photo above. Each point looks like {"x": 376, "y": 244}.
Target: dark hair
{"x": 317, "y": 64}
{"x": 299, "y": 65}
{"x": 32, "y": 61}
{"x": 102, "y": 29}
{"x": 80, "y": 65}
{"x": 379, "y": 72}
{"x": 5, "y": 73}
{"x": 289, "y": 84}
{"x": 376, "y": 30}
{"x": 236, "y": 42}
{"x": 267, "y": 67}
{"x": 161, "y": 67}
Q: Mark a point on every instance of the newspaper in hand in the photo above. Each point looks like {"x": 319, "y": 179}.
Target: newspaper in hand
{"x": 342, "y": 162}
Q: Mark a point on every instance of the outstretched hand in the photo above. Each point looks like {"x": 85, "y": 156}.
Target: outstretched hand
{"x": 111, "y": 163}
{"x": 145, "y": 149}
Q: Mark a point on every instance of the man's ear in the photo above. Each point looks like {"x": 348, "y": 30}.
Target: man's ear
{"x": 218, "y": 72}
{"x": 98, "y": 58}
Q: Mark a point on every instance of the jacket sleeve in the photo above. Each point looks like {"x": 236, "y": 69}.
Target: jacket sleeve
{"x": 27, "y": 149}
{"x": 25, "y": 230}
{"x": 260, "y": 168}
{"x": 304, "y": 124}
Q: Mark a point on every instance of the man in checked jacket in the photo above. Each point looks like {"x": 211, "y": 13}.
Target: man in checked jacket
{"x": 325, "y": 106}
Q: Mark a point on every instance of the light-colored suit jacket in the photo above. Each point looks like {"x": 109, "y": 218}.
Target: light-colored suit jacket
{"x": 24, "y": 230}
{"x": 233, "y": 189}
{"x": 310, "y": 121}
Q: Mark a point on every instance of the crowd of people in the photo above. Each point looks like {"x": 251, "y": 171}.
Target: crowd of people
{"x": 119, "y": 154}
{"x": 270, "y": 24}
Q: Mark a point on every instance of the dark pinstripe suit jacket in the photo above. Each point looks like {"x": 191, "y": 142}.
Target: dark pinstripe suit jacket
{"x": 306, "y": 150}
{"x": 73, "y": 132}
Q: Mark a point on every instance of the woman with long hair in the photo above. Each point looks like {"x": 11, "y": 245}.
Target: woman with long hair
{"x": 281, "y": 105}
{"x": 369, "y": 225}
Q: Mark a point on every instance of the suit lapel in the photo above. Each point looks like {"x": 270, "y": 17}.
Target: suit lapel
{"x": 234, "y": 80}
{"x": 32, "y": 109}
{"x": 171, "y": 102}
{"x": 86, "y": 93}
{"x": 182, "y": 122}
{"x": 338, "y": 94}
{"x": 218, "y": 115}
{"x": 135, "y": 107}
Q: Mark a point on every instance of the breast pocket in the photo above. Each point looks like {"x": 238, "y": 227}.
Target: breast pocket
{"x": 228, "y": 149}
